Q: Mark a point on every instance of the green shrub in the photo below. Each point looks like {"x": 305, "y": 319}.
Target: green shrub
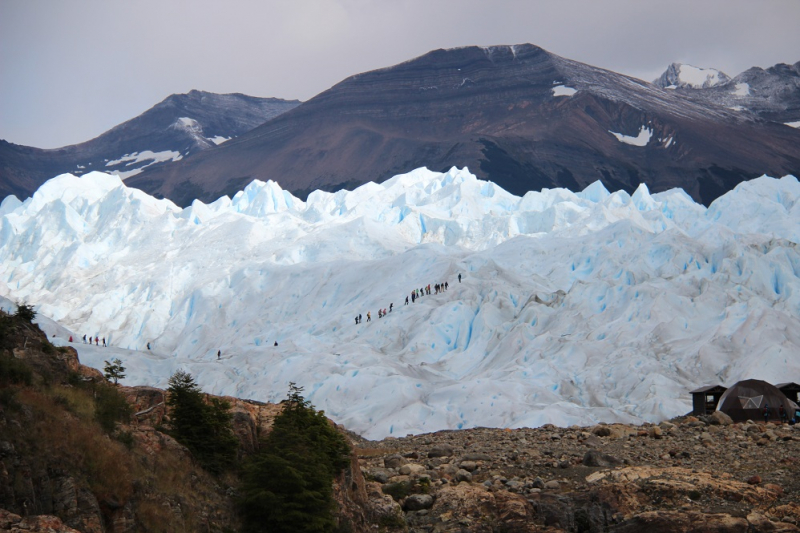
{"x": 288, "y": 485}
{"x": 114, "y": 371}
{"x": 110, "y": 407}
{"x": 398, "y": 490}
{"x": 25, "y": 312}
{"x": 14, "y": 371}
{"x": 126, "y": 438}
{"x": 204, "y": 428}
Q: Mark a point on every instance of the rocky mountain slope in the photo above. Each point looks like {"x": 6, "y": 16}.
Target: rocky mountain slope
{"x": 771, "y": 94}
{"x": 181, "y": 125}
{"x": 517, "y": 115}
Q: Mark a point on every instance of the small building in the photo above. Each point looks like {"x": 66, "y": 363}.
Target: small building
{"x": 790, "y": 390}
{"x": 753, "y": 399}
{"x": 705, "y": 399}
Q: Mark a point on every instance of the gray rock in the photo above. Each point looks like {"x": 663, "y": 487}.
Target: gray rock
{"x": 538, "y": 483}
{"x": 552, "y": 485}
{"x": 477, "y": 456}
{"x": 593, "y": 441}
{"x": 719, "y": 418}
{"x": 463, "y": 475}
{"x": 394, "y": 461}
{"x": 417, "y": 502}
{"x": 601, "y": 431}
{"x": 441, "y": 450}
{"x": 598, "y": 458}
{"x": 513, "y": 485}
{"x": 411, "y": 469}
{"x": 469, "y": 466}
{"x": 378, "y": 474}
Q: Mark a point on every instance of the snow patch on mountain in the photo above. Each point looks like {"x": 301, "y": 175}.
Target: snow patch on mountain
{"x": 562, "y": 90}
{"x": 793, "y": 124}
{"x": 140, "y": 161}
{"x": 573, "y": 308}
{"x": 742, "y": 89}
{"x": 640, "y": 140}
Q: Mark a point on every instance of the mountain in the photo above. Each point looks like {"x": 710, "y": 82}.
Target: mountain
{"x": 179, "y": 126}
{"x": 560, "y": 307}
{"x": 680, "y": 75}
{"x": 518, "y": 115}
{"x": 772, "y": 94}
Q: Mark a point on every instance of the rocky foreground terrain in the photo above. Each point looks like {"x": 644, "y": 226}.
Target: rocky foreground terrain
{"x": 684, "y": 475}
{"x": 59, "y": 472}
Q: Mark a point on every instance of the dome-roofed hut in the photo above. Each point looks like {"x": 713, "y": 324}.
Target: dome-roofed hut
{"x": 747, "y": 400}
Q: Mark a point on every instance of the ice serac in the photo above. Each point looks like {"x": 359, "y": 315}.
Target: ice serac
{"x": 573, "y": 308}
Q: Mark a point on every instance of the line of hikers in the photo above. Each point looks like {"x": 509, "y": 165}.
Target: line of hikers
{"x": 415, "y": 294}
{"x": 96, "y": 340}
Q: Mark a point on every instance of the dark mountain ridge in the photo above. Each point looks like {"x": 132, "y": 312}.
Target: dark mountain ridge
{"x": 517, "y": 115}
{"x": 177, "y": 127}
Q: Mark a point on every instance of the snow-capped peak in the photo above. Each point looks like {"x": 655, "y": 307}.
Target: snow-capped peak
{"x": 688, "y": 76}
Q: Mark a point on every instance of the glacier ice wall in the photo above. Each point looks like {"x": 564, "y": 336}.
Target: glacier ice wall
{"x": 574, "y": 307}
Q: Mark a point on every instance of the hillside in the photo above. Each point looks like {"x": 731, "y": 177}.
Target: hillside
{"x": 518, "y": 115}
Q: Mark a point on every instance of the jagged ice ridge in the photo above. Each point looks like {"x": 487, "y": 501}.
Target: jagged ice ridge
{"x": 574, "y": 308}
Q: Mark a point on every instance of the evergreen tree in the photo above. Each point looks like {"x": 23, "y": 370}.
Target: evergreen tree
{"x": 204, "y": 428}
{"x": 114, "y": 370}
{"x": 25, "y": 312}
{"x": 288, "y": 485}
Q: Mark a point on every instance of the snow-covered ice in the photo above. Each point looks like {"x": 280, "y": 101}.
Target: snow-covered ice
{"x": 574, "y": 308}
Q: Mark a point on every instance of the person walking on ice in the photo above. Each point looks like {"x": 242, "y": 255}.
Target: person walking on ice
{"x": 368, "y": 317}
{"x": 459, "y": 278}
{"x": 219, "y": 354}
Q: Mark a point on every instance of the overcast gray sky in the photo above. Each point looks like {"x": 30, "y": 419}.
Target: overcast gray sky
{"x": 72, "y": 69}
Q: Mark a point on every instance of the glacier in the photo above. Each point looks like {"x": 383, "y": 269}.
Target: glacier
{"x": 573, "y": 308}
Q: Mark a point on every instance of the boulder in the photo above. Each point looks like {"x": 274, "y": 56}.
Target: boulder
{"x": 598, "y": 458}
{"x": 721, "y": 419}
{"x": 417, "y": 502}
{"x": 394, "y": 461}
{"x": 469, "y": 466}
{"x": 463, "y": 475}
{"x": 441, "y": 450}
{"x": 411, "y": 469}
